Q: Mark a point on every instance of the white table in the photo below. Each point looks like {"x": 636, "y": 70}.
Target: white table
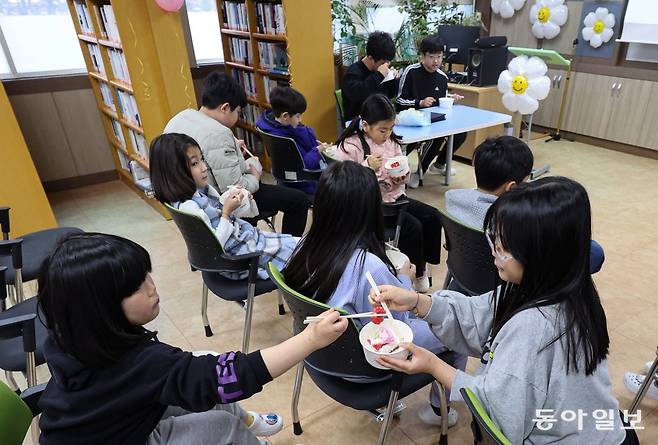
{"x": 459, "y": 119}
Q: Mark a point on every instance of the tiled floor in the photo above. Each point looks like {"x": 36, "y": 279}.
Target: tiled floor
{"x": 622, "y": 189}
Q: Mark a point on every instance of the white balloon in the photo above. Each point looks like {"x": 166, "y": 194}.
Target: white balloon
{"x": 590, "y": 20}
{"x": 588, "y": 33}
{"x": 517, "y": 65}
{"x": 509, "y": 100}
{"x": 539, "y": 88}
{"x": 596, "y": 41}
{"x": 551, "y": 30}
{"x": 609, "y": 21}
{"x": 559, "y": 15}
{"x": 506, "y": 8}
{"x": 600, "y": 13}
{"x": 535, "y": 67}
{"x": 606, "y": 35}
{"x": 526, "y": 104}
{"x": 505, "y": 82}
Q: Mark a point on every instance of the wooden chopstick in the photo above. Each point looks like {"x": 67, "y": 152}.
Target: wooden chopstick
{"x": 308, "y": 320}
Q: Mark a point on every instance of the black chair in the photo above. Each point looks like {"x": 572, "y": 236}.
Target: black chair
{"x": 206, "y": 254}
{"x": 287, "y": 162}
{"x": 36, "y": 247}
{"x": 471, "y": 268}
{"x": 485, "y": 431}
{"x": 393, "y": 218}
{"x": 267, "y": 216}
{"x": 327, "y": 367}
{"x": 12, "y": 357}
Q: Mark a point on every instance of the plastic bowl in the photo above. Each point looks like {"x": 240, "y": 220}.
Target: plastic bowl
{"x": 370, "y": 331}
{"x": 397, "y": 166}
{"x": 397, "y": 258}
{"x": 446, "y": 102}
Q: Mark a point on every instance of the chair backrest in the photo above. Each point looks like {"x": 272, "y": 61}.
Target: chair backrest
{"x": 203, "y": 249}
{"x": 287, "y": 162}
{"x": 469, "y": 256}
{"x": 15, "y": 417}
{"x": 488, "y": 430}
{"x": 343, "y": 357}
{"x": 393, "y": 213}
{"x": 341, "y": 105}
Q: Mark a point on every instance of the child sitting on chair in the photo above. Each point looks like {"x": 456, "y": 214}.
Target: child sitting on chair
{"x": 500, "y": 164}
{"x": 179, "y": 175}
{"x": 285, "y": 119}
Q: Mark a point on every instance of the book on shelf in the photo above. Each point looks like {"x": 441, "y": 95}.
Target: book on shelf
{"x": 241, "y": 51}
{"x": 84, "y": 18}
{"x": 124, "y": 160}
{"x": 270, "y": 84}
{"x": 108, "y": 23}
{"x": 138, "y": 142}
{"x": 141, "y": 178}
{"x": 128, "y": 108}
{"x": 118, "y": 134}
{"x": 269, "y": 17}
{"x": 246, "y": 80}
{"x": 96, "y": 58}
{"x": 106, "y": 95}
{"x": 119, "y": 66}
{"x": 250, "y": 114}
{"x": 273, "y": 57}
{"x": 235, "y": 15}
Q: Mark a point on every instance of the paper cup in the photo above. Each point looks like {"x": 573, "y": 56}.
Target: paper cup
{"x": 371, "y": 330}
{"x": 255, "y": 162}
{"x": 446, "y": 102}
{"x": 397, "y": 258}
{"x": 397, "y": 166}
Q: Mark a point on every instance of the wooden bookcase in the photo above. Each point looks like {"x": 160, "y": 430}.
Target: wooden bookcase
{"x": 308, "y": 44}
{"x": 158, "y": 76}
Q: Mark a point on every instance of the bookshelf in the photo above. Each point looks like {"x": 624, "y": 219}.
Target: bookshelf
{"x": 289, "y": 42}
{"x": 138, "y": 67}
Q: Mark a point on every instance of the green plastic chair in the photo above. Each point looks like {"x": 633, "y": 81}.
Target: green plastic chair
{"x": 341, "y": 107}
{"x": 17, "y": 412}
{"x": 486, "y": 432}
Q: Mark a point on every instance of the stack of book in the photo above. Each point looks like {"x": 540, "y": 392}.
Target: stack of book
{"x": 273, "y": 57}
{"x": 123, "y": 159}
{"x": 235, "y": 15}
{"x": 141, "y": 178}
{"x": 269, "y": 17}
{"x": 128, "y": 107}
{"x": 271, "y": 84}
{"x": 246, "y": 80}
{"x": 250, "y": 113}
{"x": 109, "y": 28}
{"x": 106, "y": 94}
{"x": 118, "y": 134}
{"x": 241, "y": 51}
{"x": 84, "y": 18}
{"x": 139, "y": 144}
{"x": 96, "y": 59}
{"x": 119, "y": 66}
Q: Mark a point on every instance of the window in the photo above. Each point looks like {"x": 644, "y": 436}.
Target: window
{"x": 38, "y": 38}
{"x": 204, "y": 27}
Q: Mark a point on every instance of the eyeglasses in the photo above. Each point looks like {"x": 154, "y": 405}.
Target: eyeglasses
{"x": 498, "y": 255}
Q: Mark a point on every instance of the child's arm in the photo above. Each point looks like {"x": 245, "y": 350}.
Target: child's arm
{"x": 405, "y": 97}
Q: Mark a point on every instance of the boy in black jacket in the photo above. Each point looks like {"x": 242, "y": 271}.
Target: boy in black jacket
{"x": 421, "y": 86}
{"x": 370, "y": 75}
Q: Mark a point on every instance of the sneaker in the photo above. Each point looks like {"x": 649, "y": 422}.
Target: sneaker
{"x": 429, "y": 417}
{"x": 422, "y": 284}
{"x": 647, "y": 367}
{"x": 265, "y": 424}
{"x": 634, "y": 381}
{"x": 440, "y": 169}
{"x": 414, "y": 181}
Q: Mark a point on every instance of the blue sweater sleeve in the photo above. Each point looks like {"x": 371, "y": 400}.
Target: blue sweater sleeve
{"x": 308, "y": 149}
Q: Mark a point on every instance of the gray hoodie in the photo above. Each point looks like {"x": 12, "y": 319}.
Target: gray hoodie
{"x": 521, "y": 376}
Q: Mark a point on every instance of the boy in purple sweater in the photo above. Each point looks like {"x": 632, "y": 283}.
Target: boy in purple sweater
{"x": 284, "y": 119}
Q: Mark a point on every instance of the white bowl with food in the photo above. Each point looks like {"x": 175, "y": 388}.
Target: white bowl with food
{"x": 379, "y": 340}
{"x": 397, "y": 166}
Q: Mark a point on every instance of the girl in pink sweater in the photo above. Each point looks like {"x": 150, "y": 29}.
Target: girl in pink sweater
{"x": 370, "y": 141}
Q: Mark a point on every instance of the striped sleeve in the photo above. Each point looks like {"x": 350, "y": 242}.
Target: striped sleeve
{"x": 405, "y": 97}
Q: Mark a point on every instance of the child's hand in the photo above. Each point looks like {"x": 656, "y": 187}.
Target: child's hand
{"x": 394, "y": 72}
{"x": 383, "y": 69}
{"x": 401, "y": 179}
{"x": 456, "y": 96}
{"x": 322, "y": 146}
{"x": 375, "y": 162}
{"x": 397, "y": 299}
{"x": 232, "y": 202}
{"x": 252, "y": 170}
{"x": 427, "y": 102}
{"x": 422, "y": 361}
{"x": 408, "y": 270}
{"x": 324, "y": 332}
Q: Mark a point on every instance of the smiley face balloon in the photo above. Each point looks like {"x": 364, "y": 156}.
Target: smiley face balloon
{"x": 523, "y": 84}
{"x": 547, "y": 16}
{"x": 599, "y": 27}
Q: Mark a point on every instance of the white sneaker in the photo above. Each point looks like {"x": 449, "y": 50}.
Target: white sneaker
{"x": 265, "y": 424}
{"x": 440, "y": 169}
{"x": 429, "y": 417}
{"x": 414, "y": 181}
{"x": 422, "y": 284}
{"x": 647, "y": 367}
{"x": 634, "y": 381}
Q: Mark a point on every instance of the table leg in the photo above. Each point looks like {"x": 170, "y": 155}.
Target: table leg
{"x": 449, "y": 158}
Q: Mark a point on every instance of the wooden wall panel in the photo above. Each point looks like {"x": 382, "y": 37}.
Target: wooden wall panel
{"x": 516, "y": 28}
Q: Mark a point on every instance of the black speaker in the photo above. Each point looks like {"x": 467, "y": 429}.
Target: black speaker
{"x": 485, "y": 65}
{"x": 491, "y": 42}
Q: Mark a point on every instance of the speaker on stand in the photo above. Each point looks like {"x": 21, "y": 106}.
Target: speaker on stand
{"x": 487, "y": 60}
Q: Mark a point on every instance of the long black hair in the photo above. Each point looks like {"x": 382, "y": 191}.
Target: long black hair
{"x": 347, "y": 215}
{"x": 375, "y": 108}
{"x": 546, "y": 226}
{"x": 169, "y": 167}
{"x": 81, "y": 286}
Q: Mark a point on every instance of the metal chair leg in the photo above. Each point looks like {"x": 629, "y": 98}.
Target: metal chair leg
{"x": 11, "y": 381}
{"x": 251, "y": 291}
{"x": 383, "y": 432}
{"x": 31, "y": 370}
{"x": 282, "y": 308}
{"x": 648, "y": 381}
{"x": 204, "y": 310}
{"x": 35, "y": 431}
{"x": 296, "y": 391}
{"x": 443, "y": 439}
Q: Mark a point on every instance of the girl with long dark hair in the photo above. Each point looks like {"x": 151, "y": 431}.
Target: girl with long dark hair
{"x": 370, "y": 141}
{"x": 541, "y": 334}
{"x": 345, "y": 240}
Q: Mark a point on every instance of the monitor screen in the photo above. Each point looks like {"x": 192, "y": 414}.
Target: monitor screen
{"x": 458, "y": 40}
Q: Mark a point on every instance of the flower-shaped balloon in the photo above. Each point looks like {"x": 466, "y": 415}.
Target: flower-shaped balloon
{"x": 523, "y": 84}
{"x": 506, "y": 8}
{"x": 547, "y": 16}
{"x": 598, "y": 27}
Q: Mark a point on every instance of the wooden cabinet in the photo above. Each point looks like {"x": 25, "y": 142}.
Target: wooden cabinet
{"x": 648, "y": 133}
{"x": 549, "y": 108}
{"x": 589, "y": 104}
{"x": 629, "y": 113}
